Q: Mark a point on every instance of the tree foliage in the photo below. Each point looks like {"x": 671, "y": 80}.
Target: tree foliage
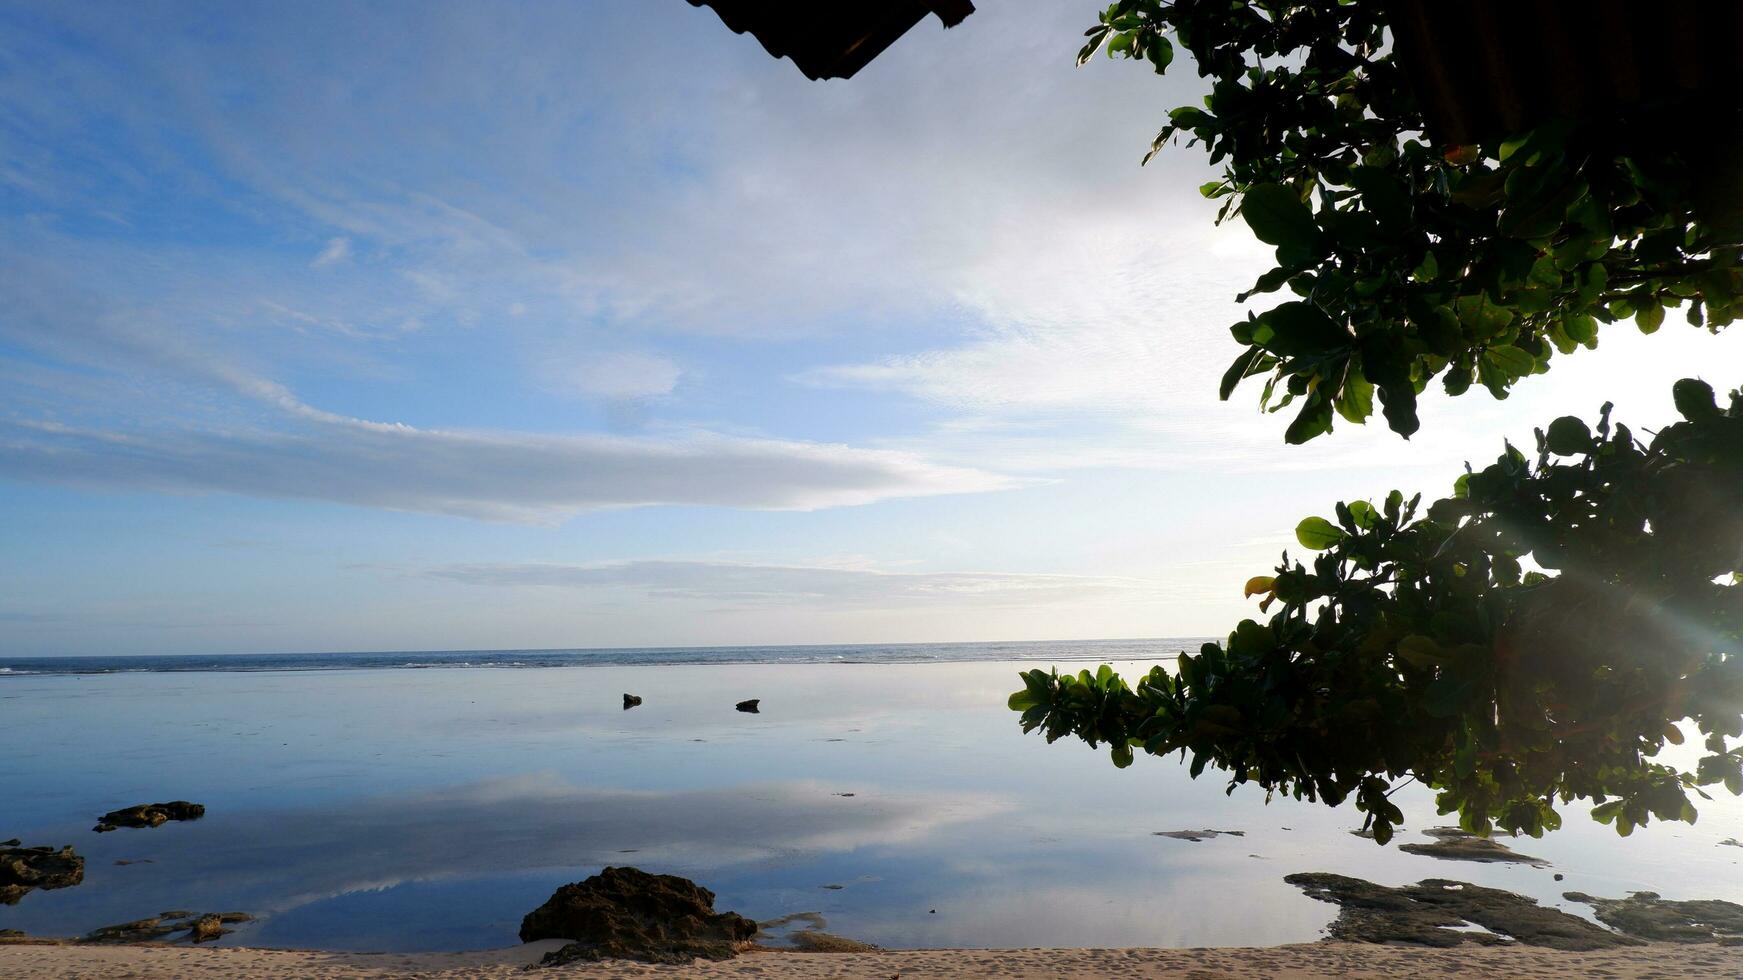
{"x": 1419, "y": 642}
{"x": 1537, "y": 636}
{"x": 1408, "y": 261}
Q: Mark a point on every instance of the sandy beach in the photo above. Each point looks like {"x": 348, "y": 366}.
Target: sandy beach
{"x": 1326, "y": 959}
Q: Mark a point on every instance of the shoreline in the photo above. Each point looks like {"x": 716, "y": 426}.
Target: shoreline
{"x": 1306, "y": 960}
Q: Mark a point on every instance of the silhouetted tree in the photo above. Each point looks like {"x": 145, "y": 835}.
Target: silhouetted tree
{"x": 1534, "y": 637}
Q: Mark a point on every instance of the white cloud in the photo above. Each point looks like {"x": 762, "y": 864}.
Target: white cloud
{"x": 828, "y": 586}
{"x": 338, "y": 250}
{"x": 620, "y": 376}
{"x": 488, "y": 475}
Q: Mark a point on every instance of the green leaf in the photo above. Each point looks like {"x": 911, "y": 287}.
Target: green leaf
{"x": 1568, "y": 436}
{"x": 1241, "y": 368}
{"x": 1318, "y": 534}
{"x": 1299, "y": 328}
{"x": 1277, "y": 217}
{"x": 1694, "y": 399}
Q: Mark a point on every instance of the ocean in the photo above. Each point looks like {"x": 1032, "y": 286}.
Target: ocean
{"x": 361, "y": 801}
{"x": 1049, "y": 651}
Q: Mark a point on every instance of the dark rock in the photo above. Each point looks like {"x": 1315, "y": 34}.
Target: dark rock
{"x": 124, "y": 862}
{"x": 630, "y": 701}
{"x": 205, "y": 929}
{"x": 1648, "y": 916}
{"x": 1197, "y": 835}
{"x": 626, "y": 913}
{"x": 1453, "y": 844}
{"x": 149, "y": 815}
{"x": 1727, "y": 842}
{"x": 159, "y": 928}
{"x": 1431, "y": 913}
{"x": 24, "y": 869}
{"x": 750, "y": 707}
{"x": 1559, "y": 876}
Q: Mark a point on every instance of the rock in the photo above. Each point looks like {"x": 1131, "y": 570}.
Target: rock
{"x": 1453, "y": 844}
{"x": 205, "y": 929}
{"x": 124, "y": 862}
{"x": 630, "y": 701}
{"x": 138, "y": 931}
{"x": 1432, "y": 912}
{"x": 817, "y": 941}
{"x": 1197, "y": 835}
{"x": 1559, "y": 876}
{"x": 25, "y": 869}
{"x": 1648, "y": 916}
{"x": 626, "y": 913}
{"x": 1727, "y": 842}
{"x": 750, "y": 707}
{"x": 149, "y": 815}
{"x": 811, "y": 937}
{"x": 194, "y": 928}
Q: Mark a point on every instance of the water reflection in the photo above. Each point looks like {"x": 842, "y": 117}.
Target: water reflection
{"x": 373, "y": 810}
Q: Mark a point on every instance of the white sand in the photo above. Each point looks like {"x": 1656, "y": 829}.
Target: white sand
{"x": 1325, "y": 959}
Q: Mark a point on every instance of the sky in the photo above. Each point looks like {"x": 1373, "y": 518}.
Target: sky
{"x": 331, "y": 326}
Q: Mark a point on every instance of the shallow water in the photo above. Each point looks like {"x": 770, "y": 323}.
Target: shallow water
{"x": 422, "y": 810}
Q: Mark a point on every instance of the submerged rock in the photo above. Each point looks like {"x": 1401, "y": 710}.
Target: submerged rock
{"x": 1434, "y": 912}
{"x": 630, "y": 701}
{"x": 626, "y": 913}
{"x": 163, "y": 928}
{"x": 811, "y": 936}
{"x": 750, "y": 707}
{"x": 149, "y": 815}
{"x": 818, "y": 941}
{"x": 1453, "y": 844}
{"x": 25, "y": 869}
{"x": 1197, "y": 835}
{"x": 1648, "y": 916}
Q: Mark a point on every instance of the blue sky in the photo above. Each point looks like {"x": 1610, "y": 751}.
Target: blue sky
{"x": 448, "y": 325}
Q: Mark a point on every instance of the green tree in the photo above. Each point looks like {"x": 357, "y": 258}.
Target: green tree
{"x": 1535, "y": 637}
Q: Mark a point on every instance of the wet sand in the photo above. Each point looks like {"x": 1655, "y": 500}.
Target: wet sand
{"x": 1325, "y": 959}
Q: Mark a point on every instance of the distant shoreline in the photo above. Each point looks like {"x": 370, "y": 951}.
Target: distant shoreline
{"x": 1034, "y": 651}
{"x": 1323, "y": 959}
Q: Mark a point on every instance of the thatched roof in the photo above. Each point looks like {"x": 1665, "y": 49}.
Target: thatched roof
{"x": 833, "y": 38}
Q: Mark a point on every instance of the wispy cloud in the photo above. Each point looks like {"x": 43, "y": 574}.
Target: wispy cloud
{"x": 829, "y": 586}
{"x": 494, "y": 476}
{"x": 613, "y": 376}
{"x": 338, "y": 250}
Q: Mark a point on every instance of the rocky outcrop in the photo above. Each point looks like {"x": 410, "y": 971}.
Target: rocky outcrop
{"x": 1648, "y": 916}
{"x": 1436, "y": 912}
{"x": 25, "y": 869}
{"x": 164, "y": 927}
{"x": 1453, "y": 844}
{"x": 750, "y": 707}
{"x": 1197, "y": 835}
{"x": 626, "y": 913}
{"x": 149, "y": 815}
